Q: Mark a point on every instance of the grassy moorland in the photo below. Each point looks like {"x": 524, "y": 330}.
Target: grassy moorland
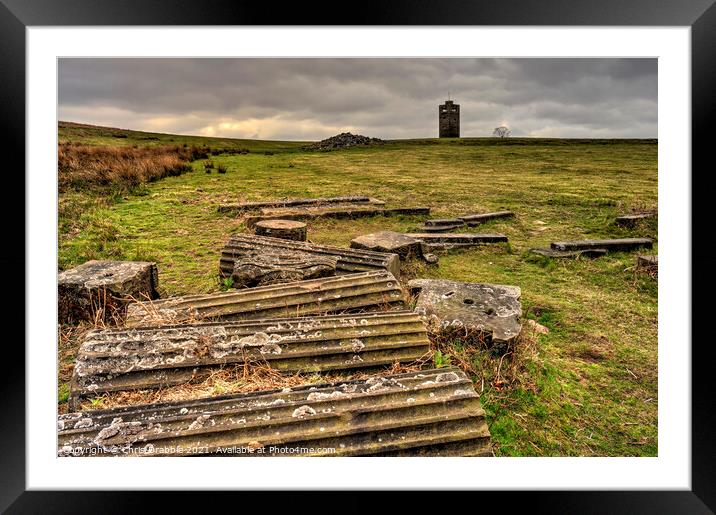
{"x": 588, "y": 387}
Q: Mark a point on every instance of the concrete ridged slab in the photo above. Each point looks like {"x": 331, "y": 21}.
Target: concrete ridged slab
{"x": 477, "y": 219}
{"x": 310, "y": 213}
{"x": 152, "y": 357}
{"x": 426, "y": 413}
{"x": 616, "y": 245}
{"x": 252, "y": 206}
{"x": 367, "y": 291}
{"x": 462, "y": 239}
{"x": 349, "y": 260}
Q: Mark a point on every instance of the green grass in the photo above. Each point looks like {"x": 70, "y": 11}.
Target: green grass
{"x": 593, "y": 388}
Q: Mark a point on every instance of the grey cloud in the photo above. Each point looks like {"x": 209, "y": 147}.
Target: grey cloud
{"x": 388, "y": 98}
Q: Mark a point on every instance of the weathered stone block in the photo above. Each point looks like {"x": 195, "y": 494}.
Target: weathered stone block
{"x": 426, "y": 413}
{"x": 105, "y": 287}
{"x": 262, "y": 268}
{"x": 488, "y": 314}
{"x": 284, "y": 229}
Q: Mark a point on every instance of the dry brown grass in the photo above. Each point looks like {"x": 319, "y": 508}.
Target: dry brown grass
{"x": 80, "y": 166}
{"x": 469, "y": 352}
{"x": 233, "y": 379}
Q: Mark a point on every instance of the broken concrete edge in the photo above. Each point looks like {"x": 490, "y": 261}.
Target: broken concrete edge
{"x": 429, "y": 412}
{"x": 143, "y": 358}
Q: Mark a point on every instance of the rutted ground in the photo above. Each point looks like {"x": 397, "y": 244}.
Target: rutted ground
{"x": 591, "y": 387}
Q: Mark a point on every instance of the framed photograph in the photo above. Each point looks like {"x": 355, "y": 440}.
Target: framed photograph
{"x": 428, "y": 238}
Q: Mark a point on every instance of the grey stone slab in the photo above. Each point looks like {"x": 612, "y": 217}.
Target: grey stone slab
{"x": 491, "y": 312}
{"x": 477, "y": 219}
{"x": 551, "y": 253}
{"x": 614, "y": 245}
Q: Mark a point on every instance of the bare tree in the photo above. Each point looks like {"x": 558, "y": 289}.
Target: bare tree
{"x": 501, "y": 132}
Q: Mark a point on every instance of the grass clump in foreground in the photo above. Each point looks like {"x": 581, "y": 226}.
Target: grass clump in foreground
{"x": 586, "y": 388}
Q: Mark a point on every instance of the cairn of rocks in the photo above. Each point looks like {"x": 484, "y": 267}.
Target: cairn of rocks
{"x": 345, "y": 140}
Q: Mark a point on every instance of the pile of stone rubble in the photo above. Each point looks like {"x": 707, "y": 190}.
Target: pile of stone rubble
{"x": 345, "y": 140}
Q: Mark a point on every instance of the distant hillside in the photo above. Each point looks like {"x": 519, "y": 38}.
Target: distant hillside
{"x": 97, "y": 135}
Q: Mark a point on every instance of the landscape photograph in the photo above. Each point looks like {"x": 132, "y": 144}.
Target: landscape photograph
{"x": 345, "y": 257}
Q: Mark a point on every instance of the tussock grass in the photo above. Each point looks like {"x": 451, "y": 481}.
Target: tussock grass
{"x": 81, "y": 166}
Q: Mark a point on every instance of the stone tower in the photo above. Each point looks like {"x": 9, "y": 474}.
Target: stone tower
{"x": 449, "y": 120}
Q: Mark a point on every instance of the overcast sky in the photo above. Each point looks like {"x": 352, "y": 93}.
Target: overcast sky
{"x": 311, "y": 99}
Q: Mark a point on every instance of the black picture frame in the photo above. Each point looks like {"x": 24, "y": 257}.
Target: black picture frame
{"x": 700, "y": 15}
